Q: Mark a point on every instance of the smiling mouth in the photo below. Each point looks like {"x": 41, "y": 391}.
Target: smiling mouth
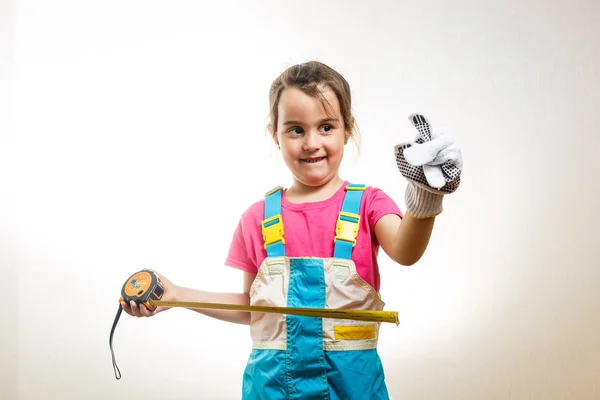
{"x": 312, "y": 160}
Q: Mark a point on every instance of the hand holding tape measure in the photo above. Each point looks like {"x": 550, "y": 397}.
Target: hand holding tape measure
{"x": 142, "y": 287}
{"x": 146, "y": 290}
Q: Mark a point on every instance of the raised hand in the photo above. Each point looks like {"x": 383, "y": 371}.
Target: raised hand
{"x": 433, "y": 160}
{"x": 432, "y": 163}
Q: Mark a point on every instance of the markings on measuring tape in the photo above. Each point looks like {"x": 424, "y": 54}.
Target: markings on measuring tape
{"x": 359, "y": 315}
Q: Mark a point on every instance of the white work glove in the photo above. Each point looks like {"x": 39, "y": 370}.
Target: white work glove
{"x": 432, "y": 164}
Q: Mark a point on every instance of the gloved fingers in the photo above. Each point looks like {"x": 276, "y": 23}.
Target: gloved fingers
{"x": 451, "y": 154}
{"x": 432, "y": 160}
{"x": 434, "y": 175}
{"x": 451, "y": 171}
{"x": 424, "y": 153}
{"x": 423, "y": 127}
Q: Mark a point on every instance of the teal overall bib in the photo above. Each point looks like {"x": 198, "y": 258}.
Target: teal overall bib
{"x": 297, "y": 357}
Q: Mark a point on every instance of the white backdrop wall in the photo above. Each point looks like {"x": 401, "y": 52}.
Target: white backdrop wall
{"x": 134, "y": 135}
{"x": 8, "y": 249}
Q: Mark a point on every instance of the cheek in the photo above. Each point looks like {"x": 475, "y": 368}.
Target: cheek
{"x": 336, "y": 146}
{"x": 288, "y": 150}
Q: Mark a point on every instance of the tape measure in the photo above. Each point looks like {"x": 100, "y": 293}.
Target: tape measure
{"x": 146, "y": 288}
{"x": 143, "y": 287}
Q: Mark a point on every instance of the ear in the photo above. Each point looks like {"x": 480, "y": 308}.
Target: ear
{"x": 273, "y": 134}
{"x": 349, "y": 130}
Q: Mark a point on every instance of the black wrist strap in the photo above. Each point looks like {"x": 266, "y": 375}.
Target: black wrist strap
{"x": 110, "y": 340}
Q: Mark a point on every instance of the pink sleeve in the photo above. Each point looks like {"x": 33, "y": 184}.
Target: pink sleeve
{"x": 380, "y": 204}
{"x": 239, "y": 251}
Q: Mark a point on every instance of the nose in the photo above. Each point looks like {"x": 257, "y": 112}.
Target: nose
{"x": 312, "y": 141}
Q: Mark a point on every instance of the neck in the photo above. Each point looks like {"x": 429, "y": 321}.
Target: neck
{"x": 300, "y": 192}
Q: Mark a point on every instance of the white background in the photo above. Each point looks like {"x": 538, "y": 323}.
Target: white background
{"x": 134, "y": 134}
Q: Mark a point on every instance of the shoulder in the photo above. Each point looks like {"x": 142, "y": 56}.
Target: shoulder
{"x": 375, "y": 194}
{"x": 257, "y": 208}
{"x": 254, "y": 211}
{"x": 378, "y": 203}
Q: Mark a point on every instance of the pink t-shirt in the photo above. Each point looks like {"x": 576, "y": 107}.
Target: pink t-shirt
{"x": 309, "y": 229}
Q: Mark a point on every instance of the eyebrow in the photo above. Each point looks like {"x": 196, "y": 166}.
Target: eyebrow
{"x": 321, "y": 121}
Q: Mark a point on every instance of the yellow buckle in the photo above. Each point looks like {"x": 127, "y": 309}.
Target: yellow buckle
{"x": 274, "y": 232}
{"x": 361, "y": 187}
{"x": 347, "y": 230}
{"x": 270, "y": 192}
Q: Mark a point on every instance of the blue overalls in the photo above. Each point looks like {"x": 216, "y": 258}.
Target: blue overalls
{"x": 297, "y": 357}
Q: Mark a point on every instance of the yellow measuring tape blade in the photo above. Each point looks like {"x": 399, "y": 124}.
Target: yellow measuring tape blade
{"x": 359, "y": 315}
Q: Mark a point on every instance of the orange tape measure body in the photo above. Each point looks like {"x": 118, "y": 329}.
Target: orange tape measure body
{"x": 142, "y": 287}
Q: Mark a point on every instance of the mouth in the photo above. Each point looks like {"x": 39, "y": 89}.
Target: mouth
{"x": 312, "y": 160}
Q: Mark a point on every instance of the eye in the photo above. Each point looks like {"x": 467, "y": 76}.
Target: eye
{"x": 297, "y": 130}
{"x": 326, "y": 128}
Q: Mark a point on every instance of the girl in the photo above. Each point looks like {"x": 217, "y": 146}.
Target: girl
{"x": 315, "y": 244}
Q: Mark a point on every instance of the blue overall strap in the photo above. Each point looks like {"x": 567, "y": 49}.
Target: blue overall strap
{"x": 348, "y": 222}
{"x": 272, "y": 225}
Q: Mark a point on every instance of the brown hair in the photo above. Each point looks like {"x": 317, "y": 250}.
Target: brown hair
{"x": 308, "y": 77}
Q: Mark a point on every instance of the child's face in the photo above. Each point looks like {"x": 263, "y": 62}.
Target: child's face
{"x": 311, "y": 138}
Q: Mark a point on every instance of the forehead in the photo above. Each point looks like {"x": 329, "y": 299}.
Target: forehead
{"x": 295, "y": 104}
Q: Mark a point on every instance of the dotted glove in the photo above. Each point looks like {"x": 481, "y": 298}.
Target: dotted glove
{"x": 432, "y": 164}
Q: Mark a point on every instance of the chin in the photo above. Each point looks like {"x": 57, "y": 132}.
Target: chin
{"x": 314, "y": 181}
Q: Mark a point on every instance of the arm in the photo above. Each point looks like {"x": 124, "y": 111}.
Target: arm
{"x": 404, "y": 240}
{"x": 238, "y": 317}
{"x": 179, "y": 293}
{"x": 432, "y": 164}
